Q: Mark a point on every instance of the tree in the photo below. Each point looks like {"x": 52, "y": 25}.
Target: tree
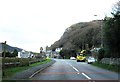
{"x": 62, "y": 53}
{"x": 15, "y": 53}
{"x": 67, "y": 53}
{"x": 112, "y": 32}
{"x": 7, "y": 54}
{"x": 101, "y": 54}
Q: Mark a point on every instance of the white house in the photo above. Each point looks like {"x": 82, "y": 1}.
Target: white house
{"x": 58, "y": 50}
{"x": 25, "y": 54}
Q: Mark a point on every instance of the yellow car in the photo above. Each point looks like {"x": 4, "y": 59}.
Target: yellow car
{"x": 81, "y": 56}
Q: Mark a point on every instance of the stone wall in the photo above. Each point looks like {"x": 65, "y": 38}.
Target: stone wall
{"x": 111, "y": 61}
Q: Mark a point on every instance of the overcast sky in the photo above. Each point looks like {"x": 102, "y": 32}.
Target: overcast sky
{"x": 31, "y": 24}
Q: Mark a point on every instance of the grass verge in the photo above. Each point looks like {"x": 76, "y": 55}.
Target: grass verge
{"x": 11, "y": 71}
{"x": 114, "y": 68}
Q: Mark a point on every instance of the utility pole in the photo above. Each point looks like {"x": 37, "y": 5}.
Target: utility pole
{"x": 4, "y": 49}
{"x": 3, "y": 66}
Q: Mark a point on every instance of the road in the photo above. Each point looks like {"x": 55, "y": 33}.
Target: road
{"x": 65, "y": 69}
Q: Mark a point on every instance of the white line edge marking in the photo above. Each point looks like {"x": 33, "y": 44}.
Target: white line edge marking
{"x": 86, "y": 76}
{"x": 34, "y": 74}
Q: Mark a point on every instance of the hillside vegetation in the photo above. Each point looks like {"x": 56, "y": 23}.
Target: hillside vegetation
{"x": 78, "y": 35}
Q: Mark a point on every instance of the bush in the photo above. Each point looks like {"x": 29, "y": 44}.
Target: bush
{"x": 101, "y": 54}
{"x": 10, "y": 60}
{"x": 20, "y": 61}
{"x": 24, "y": 62}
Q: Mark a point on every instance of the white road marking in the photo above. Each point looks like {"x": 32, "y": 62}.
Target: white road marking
{"x": 79, "y": 72}
{"x": 86, "y": 76}
{"x": 75, "y": 69}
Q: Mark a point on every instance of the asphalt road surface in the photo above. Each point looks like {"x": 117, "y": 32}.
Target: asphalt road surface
{"x": 65, "y": 69}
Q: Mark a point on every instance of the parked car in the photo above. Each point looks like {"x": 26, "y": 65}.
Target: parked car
{"x": 72, "y": 58}
{"x": 90, "y": 60}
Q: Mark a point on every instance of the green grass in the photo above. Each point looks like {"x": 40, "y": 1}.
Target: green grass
{"x": 114, "y": 68}
{"x": 39, "y": 63}
{"x": 11, "y": 71}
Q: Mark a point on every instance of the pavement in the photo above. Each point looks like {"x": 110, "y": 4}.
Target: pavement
{"x": 29, "y": 73}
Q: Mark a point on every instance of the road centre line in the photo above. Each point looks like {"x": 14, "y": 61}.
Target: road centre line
{"x": 79, "y": 72}
{"x": 86, "y": 76}
{"x": 74, "y": 68}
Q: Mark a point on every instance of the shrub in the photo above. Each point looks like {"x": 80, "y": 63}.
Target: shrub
{"x": 101, "y": 54}
{"x": 24, "y": 62}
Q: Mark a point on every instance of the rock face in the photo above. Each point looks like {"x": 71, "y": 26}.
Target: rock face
{"x": 77, "y": 35}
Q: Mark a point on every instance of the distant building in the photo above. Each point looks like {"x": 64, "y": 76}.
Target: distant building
{"x": 58, "y": 50}
{"x": 53, "y": 54}
{"x": 94, "y": 52}
{"x": 49, "y": 53}
{"x": 25, "y": 54}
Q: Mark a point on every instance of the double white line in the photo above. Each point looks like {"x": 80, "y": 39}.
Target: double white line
{"x": 79, "y": 72}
